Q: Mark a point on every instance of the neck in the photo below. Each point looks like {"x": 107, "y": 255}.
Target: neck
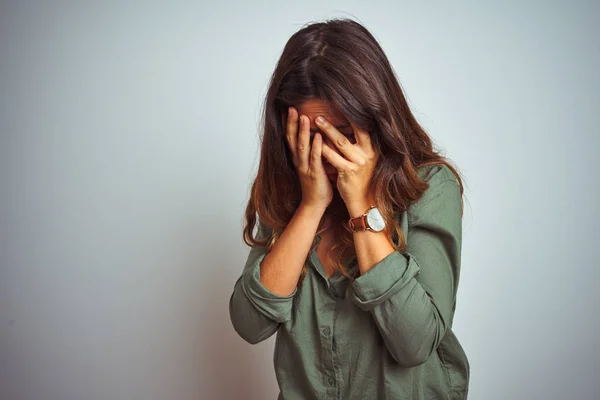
{"x": 337, "y": 211}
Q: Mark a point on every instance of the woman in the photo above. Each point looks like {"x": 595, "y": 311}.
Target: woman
{"x": 356, "y": 259}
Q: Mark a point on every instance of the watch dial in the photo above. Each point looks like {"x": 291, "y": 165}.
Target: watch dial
{"x": 375, "y": 220}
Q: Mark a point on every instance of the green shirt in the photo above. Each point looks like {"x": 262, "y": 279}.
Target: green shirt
{"x": 387, "y": 335}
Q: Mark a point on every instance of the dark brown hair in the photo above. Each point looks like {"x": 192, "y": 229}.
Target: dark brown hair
{"x": 341, "y": 63}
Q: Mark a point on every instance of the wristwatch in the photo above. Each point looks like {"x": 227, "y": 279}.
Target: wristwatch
{"x": 372, "y": 221}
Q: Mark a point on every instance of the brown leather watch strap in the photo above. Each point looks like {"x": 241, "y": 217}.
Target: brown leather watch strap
{"x": 358, "y": 223}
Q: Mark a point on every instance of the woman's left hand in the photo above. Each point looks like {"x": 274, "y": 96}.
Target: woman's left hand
{"x": 355, "y": 168}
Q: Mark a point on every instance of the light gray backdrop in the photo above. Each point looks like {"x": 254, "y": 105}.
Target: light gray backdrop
{"x": 128, "y": 144}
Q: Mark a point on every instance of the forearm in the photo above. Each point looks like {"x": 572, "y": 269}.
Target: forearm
{"x": 370, "y": 247}
{"x": 412, "y": 294}
{"x": 410, "y": 310}
{"x": 282, "y": 266}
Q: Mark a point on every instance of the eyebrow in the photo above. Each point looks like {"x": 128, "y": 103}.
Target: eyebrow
{"x": 314, "y": 130}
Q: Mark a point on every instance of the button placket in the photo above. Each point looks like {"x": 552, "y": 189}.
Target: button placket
{"x": 337, "y": 373}
{"x": 326, "y": 317}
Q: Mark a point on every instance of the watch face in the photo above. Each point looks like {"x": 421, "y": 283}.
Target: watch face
{"x": 375, "y": 220}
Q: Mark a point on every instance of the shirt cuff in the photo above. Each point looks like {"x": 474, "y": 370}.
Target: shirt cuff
{"x": 273, "y": 306}
{"x": 384, "y": 279}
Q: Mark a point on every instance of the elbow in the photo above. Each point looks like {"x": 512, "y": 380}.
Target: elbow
{"x": 413, "y": 353}
{"x": 410, "y": 360}
{"x": 249, "y": 326}
{"x": 252, "y": 337}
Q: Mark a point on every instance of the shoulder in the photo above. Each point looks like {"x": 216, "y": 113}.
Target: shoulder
{"x": 444, "y": 187}
{"x": 436, "y": 174}
{"x": 263, "y": 230}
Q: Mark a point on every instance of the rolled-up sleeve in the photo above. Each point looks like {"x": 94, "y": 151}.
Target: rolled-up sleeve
{"x": 256, "y": 312}
{"x": 412, "y": 295}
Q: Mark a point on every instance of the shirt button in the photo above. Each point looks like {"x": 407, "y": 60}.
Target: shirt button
{"x": 330, "y": 380}
{"x": 326, "y": 330}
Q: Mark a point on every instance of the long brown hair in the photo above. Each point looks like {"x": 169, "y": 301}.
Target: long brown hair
{"x": 341, "y": 63}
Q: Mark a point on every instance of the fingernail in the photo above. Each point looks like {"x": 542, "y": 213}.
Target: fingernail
{"x": 320, "y": 119}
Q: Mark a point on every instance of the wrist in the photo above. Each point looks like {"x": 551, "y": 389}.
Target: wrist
{"x": 358, "y": 208}
{"x": 312, "y": 210}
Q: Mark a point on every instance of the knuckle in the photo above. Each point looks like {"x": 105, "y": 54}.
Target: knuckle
{"x": 342, "y": 141}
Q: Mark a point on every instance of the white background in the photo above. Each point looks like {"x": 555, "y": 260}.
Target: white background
{"x": 128, "y": 143}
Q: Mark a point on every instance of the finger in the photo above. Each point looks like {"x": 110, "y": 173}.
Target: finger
{"x": 339, "y": 162}
{"x": 303, "y": 143}
{"x": 340, "y": 141}
{"x": 316, "y": 162}
{"x": 363, "y": 139}
{"x": 292, "y": 133}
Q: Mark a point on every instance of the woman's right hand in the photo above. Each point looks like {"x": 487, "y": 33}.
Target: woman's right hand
{"x": 316, "y": 188}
